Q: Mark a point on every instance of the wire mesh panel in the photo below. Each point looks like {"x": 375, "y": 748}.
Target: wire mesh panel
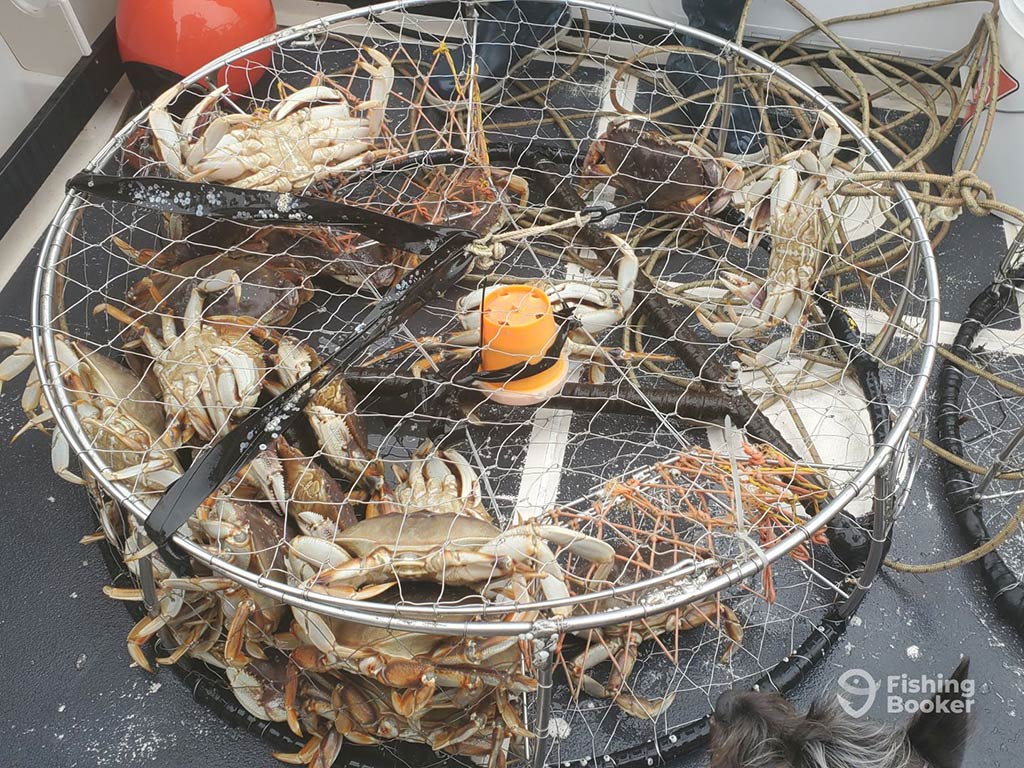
{"x": 626, "y": 463}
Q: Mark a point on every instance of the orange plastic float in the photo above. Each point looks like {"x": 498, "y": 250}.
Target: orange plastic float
{"x": 161, "y": 41}
{"x": 518, "y": 326}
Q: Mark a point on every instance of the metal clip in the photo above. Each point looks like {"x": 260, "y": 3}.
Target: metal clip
{"x": 599, "y": 212}
{"x": 1011, "y": 268}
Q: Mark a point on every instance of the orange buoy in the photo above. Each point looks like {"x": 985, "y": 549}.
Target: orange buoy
{"x": 162, "y": 41}
{"x": 518, "y": 326}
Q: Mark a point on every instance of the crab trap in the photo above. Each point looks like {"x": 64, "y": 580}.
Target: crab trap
{"x": 630, "y": 428}
{"x": 979, "y": 433}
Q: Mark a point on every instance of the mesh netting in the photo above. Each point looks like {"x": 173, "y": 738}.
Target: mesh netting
{"x": 980, "y": 433}
{"x": 433, "y": 558}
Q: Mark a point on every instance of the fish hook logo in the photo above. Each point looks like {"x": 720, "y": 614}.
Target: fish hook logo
{"x": 857, "y": 683}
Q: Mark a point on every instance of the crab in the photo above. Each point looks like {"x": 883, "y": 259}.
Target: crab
{"x": 415, "y": 670}
{"x": 412, "y": 667}
{"x": 246, "y": 535}
{"x": 790, "y": 203}
{"x": 619, "y": 644}
{"x": 348, "y": 257}
{"x": 119, "y": 413}
{"x": 335, "y": 707}
{"x": 191, "y": 613}
{"x": 595, "y": 309}
{"x": 188, "y": 610}
{"x": 300, "y": 489}
{"x": 310, "y": 135}
{"x": 364, "y": 714}
{"x": 669, "y": 176}
{"x": 260, "y": 686}
{"x": 210, "y": 372}
{"x": 454, "y": 548}
{"x": 439, "y": 481}
{"x": 210, "y": 617}
{"x": 464, "y": 558}
{"x": 270, "y": 288}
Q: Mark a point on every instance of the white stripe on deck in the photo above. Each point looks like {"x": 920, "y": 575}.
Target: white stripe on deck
{"x": 549, "y": 435}
{"x": 871, "y": 322}
{"x": 1007, "y": 341}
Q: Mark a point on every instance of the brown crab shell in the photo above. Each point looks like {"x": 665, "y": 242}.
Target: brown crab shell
{"x": 312, "y": 489}
{"x": 670, "y": 176}
{"x": 272, "y": 288}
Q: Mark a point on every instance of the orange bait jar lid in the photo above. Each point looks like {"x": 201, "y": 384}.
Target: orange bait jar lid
{"x": 517, "y": 326}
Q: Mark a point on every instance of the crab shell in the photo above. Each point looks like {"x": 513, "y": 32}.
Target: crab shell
{"x": 669, "y": 176}
{"x": 316, "y": 499}
{"x": 270, "y": 288}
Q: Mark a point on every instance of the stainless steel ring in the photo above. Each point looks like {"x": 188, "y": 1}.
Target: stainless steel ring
{"x": 417, "y": 618}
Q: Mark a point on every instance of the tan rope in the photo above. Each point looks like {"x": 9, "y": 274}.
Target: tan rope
{"x": 968, "y": 557}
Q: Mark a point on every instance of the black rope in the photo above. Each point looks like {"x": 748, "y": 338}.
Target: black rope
{"x": 1002, "y": 584}
{"x": 850, "y": 539}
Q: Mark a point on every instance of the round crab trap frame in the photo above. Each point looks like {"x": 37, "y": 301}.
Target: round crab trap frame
{"x": 646, "y": 446}
{"x": 980, "y": 433}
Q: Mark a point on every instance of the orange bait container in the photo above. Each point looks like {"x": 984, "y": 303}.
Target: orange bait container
{"x": 517, "y": 326}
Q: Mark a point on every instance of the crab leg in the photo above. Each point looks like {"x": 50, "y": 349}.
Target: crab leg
{"x": 306, "y": 97}
{"x": 382, "y": 80}
{"x": 19, "y": 360}
{"x": 621, "y": 645}
{"x": 188, "y": 124}
{"x": 166, "y": 137}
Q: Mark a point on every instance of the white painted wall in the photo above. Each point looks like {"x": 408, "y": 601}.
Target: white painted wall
{"x": 24, "y": 93}
{"x": 42, "y": 40}
{"x": 929, "y": 34}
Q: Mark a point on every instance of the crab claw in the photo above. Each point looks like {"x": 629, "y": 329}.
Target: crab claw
{"x": 414, "y": 698}
{"x": 595, "y": 163}
{"x": 18, "y": 361}
{"x": 167, "y": 142}
{"x": 260, "y": 694}
{"x": 305, "y": 97}
{"x": 644, "y": 708}
{"x": 191, "y": 120}
{"x": 226, "y": 279}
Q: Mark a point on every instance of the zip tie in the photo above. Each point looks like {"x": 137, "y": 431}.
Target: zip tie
{"x": 755, "y": 549}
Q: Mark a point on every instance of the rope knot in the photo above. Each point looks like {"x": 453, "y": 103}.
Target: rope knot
{"x": 972, "y": 190}
{"x": 487, "y": 251}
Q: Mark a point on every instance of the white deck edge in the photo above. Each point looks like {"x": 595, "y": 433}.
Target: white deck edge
{"x": 21, "y": 238}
